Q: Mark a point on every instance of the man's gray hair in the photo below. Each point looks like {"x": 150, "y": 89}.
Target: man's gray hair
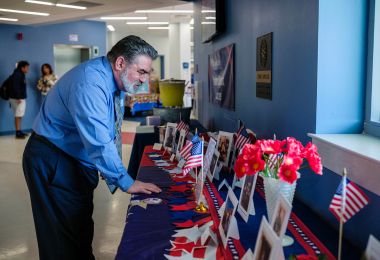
{"x": 130, "y": 47}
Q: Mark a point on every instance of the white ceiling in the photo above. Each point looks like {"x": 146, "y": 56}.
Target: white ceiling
{"x": 102, "y": 8}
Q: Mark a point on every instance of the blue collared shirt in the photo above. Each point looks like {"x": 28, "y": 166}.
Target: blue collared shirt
{"x": 78, "y": 116}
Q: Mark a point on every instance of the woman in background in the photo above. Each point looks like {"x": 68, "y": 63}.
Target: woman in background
{"x": 48, "y": 79}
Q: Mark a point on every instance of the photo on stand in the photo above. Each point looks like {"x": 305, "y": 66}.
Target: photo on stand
{"x": 169, "y": 135}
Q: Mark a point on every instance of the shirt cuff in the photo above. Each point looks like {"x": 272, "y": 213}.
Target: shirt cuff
{"x": 124, "y": 182}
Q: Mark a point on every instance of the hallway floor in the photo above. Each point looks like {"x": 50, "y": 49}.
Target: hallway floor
{"x": 17, "y": 233}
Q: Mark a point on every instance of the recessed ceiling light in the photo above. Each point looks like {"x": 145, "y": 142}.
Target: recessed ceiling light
{"x": 123, "y": 18}
{"x": 23, "y": 12}
{"x": 191, "y": 28}
{"x": 208, "y": 23}
{"x": 8, "y": 19}
{"x": 59, "y": 5}
{"x": 38, "y": 2}
{"x": 210, "y": 18}
{"x": 111, "y": 28}
{"x": 165, "y": 11}
{"x": 158, "y": 27}
{"x": 208, "y": 11}
{"x": 192, "y": 21}
{"x": 72, "y": 6}
{"x": 152, "y": 23}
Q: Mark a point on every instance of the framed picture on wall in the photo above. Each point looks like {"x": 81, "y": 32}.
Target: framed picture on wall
{"x": 264, "y": 66}
{"x": 221, "y": 77}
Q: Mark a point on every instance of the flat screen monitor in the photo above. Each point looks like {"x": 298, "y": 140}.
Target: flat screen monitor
{"x": 212, "y": 19}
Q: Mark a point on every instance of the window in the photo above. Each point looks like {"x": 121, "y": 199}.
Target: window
{"x": 372, "y": 124}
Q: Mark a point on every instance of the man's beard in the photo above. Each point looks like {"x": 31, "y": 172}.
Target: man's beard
{"x": 128, "y": 86}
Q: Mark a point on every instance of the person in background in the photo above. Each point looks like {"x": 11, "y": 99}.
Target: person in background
{"x": 17, "y": 95}
{"x": 47, "y": 80}
{"x": 76, "y": 136}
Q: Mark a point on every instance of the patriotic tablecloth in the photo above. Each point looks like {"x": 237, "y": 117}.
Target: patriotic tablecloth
{"x": 148, "y": 233}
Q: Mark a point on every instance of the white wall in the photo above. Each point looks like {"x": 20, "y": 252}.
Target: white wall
{"x": 160, "y": 43}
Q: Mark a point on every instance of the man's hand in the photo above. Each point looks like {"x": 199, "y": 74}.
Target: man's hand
{"x": 143, "y": 187}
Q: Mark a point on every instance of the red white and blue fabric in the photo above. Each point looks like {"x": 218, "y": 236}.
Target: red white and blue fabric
{"x": 348, "y": 197}
{"x": 185, "y": 152}
{"x": 242, "y": 137}
{"x": 184, "y": 126}
{"x": 196, "y": 155}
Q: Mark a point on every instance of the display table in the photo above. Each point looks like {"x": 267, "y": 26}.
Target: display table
{"x": 148, "y": 233}
{"x": 141, "y": 102}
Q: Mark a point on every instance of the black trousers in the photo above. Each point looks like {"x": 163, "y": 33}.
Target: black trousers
{"x": 61, "y": 191}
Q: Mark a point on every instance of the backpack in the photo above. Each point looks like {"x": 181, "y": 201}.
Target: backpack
{"x": 5, "y": 88}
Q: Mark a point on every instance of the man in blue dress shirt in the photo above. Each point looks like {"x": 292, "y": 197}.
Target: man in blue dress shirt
{"x": 73, "y": 140}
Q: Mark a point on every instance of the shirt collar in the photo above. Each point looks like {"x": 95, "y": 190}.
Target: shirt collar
{"x": 109, "y": 73}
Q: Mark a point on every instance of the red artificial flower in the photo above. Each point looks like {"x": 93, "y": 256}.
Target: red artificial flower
{"x": 271, "y": 146}
{"x": 293, "y": 147}
{"x": 288, "y": 173}
{"x": 312, "y": 156}
{"x": 240, "y": 167}
{"x": 258, "y": 164}
{"x": 247, "y": 167}
{"x": 292, "y": 160}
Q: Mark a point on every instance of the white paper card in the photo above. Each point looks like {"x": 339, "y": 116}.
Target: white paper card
{"x": 181, "y": 163}
{"x": 175, "y": 170}
{"x": 248, "y": 255}
{"x": 234, "y": 231}
{"x": 217, "y": 171}
{"x": 157, "y": 146}
{"x": 223, "y": 183}
{"x": 172, "y": 157}
{"x": 373, "y": 248}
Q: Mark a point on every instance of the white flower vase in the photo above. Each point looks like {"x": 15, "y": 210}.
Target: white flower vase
{"x": 273, "y": 188}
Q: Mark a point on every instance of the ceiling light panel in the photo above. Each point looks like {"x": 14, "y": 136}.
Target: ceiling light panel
{"x": 8, "y": 19}
{"x": 23, "y": 12}
{"x": 38, "y": 2}
{"x": 58, "y": 5}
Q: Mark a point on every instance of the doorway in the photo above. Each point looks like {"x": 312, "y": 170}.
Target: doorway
{"x": 67, "y": 57}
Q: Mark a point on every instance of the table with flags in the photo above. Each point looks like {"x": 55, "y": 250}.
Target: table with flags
{"x": 167, "y": 226}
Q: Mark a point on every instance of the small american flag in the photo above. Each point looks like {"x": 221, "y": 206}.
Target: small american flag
{"x": 185, "y": 152}
{"x": 196, "y": 155}
{"x": 184, "y": 126}
{"x": 348, "y": 197}
{"x": 242, "y": 137}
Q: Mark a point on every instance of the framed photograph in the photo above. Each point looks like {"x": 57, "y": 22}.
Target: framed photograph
{"x": 267, "y": 242}
{"x": 246, "y": 206}
{"x": 264, "y": 66}
{"x": 228, "y": 214}
{"x": 209, "y": 153}
{"x": 372, "y": 250}
{"x": 224, "y": 145}
{"x": 162, "y": 131}
{"x": 181, "y": 141}
{"x": 281, "y": 215}
{"x": 175, "y": 141}
{"x": 213, "y": 165}
{"x": 170, "y": 135}
{"x": 221, "y": 77}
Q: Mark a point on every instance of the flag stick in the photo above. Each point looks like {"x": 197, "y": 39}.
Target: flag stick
{"x": 342, "y": 214}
